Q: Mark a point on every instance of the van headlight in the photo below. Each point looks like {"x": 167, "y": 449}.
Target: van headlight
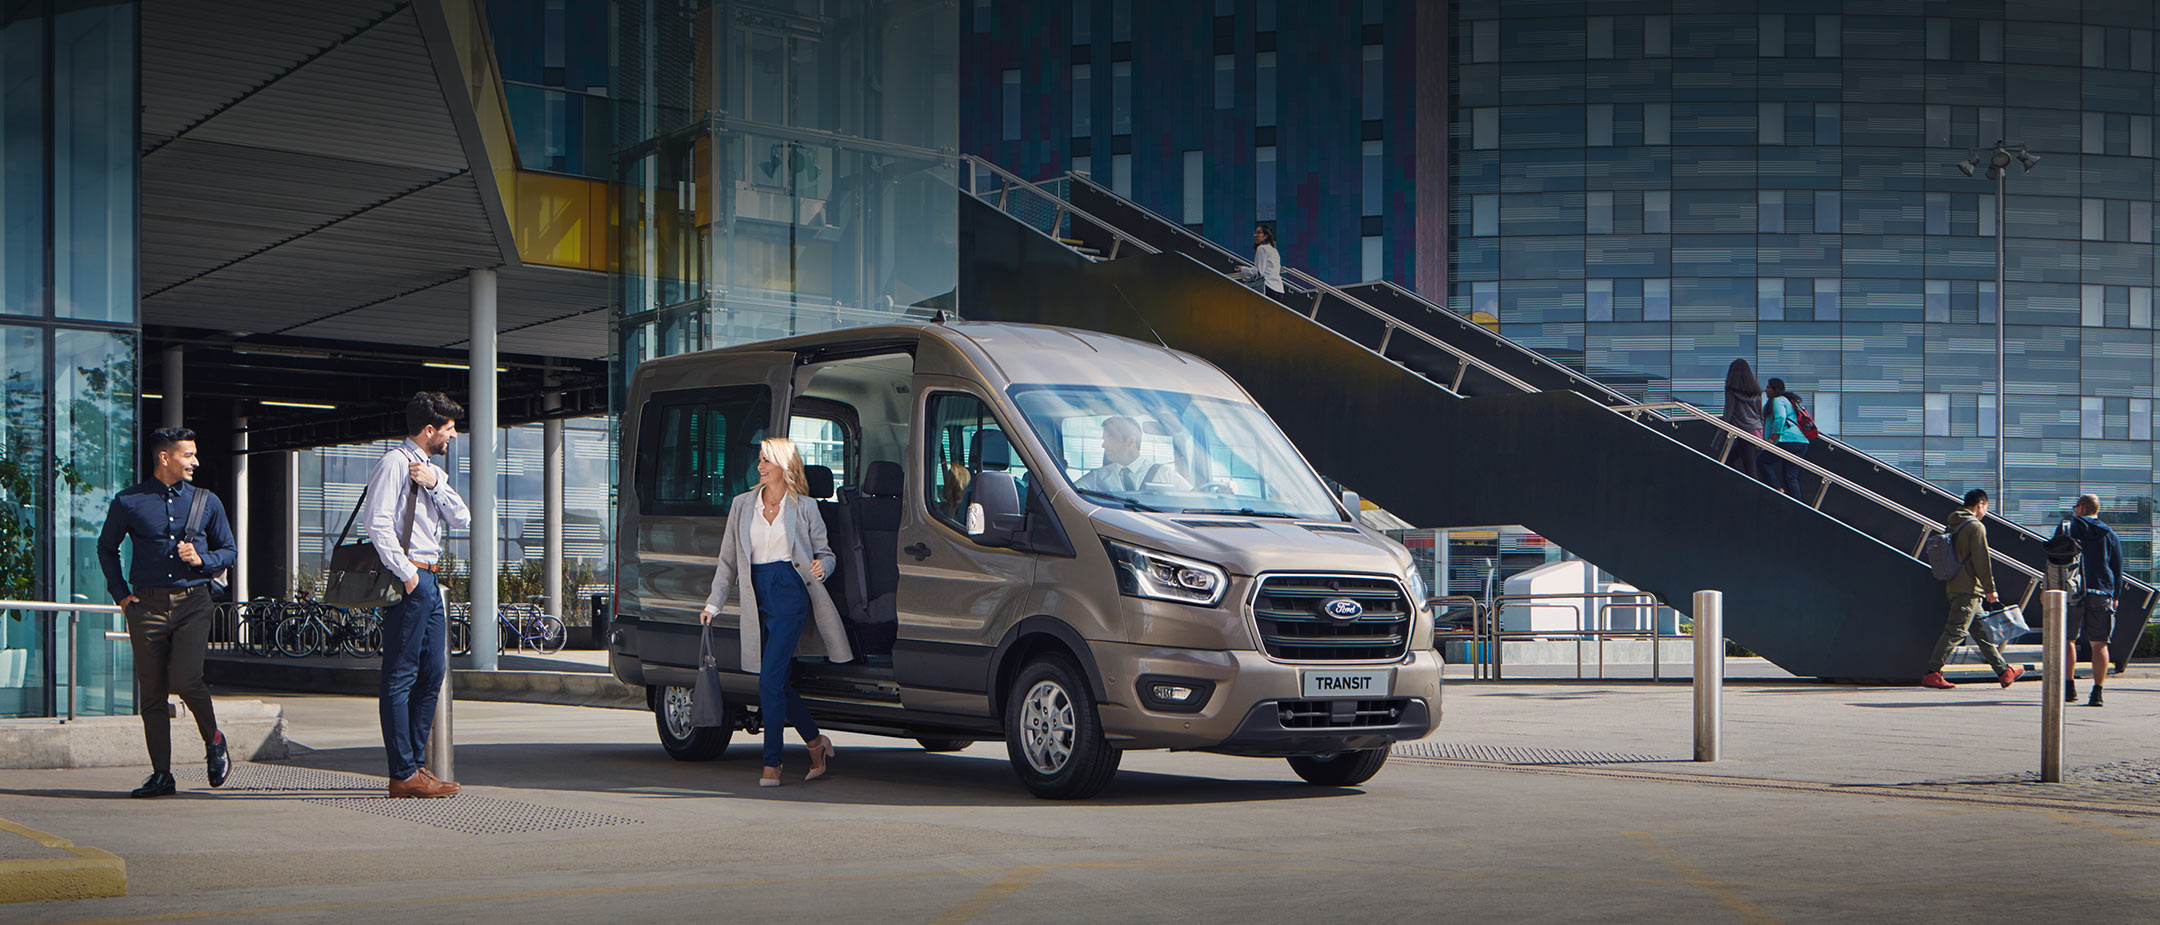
{"x": 1418, "y": 593}
{"x": 1164, "y": 577}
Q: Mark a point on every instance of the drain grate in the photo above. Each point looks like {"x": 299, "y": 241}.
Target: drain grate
{"x": 1508, "y": 754}
{"x": 472, "y": 815}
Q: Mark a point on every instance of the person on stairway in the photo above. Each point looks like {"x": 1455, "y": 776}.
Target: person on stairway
{"x": 1743, "y": 409}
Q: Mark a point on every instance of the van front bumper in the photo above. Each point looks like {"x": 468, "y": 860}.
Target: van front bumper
{"x": 1257, "y": 706}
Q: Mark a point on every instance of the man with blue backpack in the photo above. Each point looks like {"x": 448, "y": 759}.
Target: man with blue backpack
{"x": 2097, "y": 569}
{"x": 1974, "y": 581}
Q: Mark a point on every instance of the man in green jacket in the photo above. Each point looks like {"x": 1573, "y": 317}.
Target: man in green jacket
{"x": 1974, "y": 581}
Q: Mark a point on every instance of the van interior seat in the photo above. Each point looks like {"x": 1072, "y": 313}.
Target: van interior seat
{"x": 876, "y": 514}
{"x": 841, "y": 534}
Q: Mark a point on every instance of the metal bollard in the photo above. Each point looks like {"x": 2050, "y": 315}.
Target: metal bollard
{"x": 439, "y": 741}
{"x": 1709, "y": 673}
{"x": 2055, "y": 655}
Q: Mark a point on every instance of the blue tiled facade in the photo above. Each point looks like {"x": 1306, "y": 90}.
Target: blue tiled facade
{"x": 1159, "y": 81}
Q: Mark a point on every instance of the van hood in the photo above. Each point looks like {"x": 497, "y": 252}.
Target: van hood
{"x": 1249, "y": 545}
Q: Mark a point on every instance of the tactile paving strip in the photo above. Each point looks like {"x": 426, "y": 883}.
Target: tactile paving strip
{"x": 472, "y": 815}
{"x": 2133, "y": 782}
{"x": 1505, "y": 754}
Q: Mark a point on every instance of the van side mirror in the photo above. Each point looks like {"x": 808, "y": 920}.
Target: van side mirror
{"x": 1352, "y": 503}
{"x": 994, "y": 518}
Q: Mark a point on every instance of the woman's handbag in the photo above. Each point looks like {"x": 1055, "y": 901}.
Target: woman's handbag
{"x": 706, "y": 706}
{"x": 2000, "y": 627}
{"x": 357, "y": 577}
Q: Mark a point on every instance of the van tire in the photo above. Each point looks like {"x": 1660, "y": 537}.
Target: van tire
{"x": 1050, "y": 702}
{"x": 944, "y": 745}
{"x": 684, "y": 742}
{"x": 1341, "y": 769}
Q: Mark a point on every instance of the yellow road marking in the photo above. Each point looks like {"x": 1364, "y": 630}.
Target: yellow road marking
{"x": 2111, "y": 830}
{"x": 1696, "y": 877}
{"x": 90, "y": 874}
{"x": 987, "y": 896}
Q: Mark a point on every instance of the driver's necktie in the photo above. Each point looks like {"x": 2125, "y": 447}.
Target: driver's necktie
{"x": 1131, "y": 484}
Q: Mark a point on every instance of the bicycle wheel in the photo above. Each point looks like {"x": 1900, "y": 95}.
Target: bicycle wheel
{"x": 300, "y": 638}
{"x": 353, "y": 637}
{"x": 549, "y": 635}
{"x": 460, "y": 637}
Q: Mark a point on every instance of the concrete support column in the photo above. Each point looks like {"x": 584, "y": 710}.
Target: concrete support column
{"x": 238, "y": 510}
{"x": 480, "y": 449}
{"x": 551, "y": 505}
{"x": 292, "y": 523}
{"x": 175, "y": 386}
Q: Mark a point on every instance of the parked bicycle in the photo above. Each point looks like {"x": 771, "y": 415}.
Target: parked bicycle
{"x": 519, "y": 626}
{"x": 319, "y": 629}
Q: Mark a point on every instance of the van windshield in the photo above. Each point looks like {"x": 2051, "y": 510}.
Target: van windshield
{"x": 1152, "y": 450}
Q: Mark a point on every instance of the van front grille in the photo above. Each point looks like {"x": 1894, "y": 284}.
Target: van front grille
{"x": 1340, "y": 714}
{"x": 1292, "y": 614}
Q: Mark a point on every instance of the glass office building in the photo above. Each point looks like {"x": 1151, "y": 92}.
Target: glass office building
{"x": 1656, "y": 188}
{"x": 68, "y": 337}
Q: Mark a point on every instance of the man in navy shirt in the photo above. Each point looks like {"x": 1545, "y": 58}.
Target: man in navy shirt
{"x": 2093, "y": 615}
{"x": 168, "y": 605}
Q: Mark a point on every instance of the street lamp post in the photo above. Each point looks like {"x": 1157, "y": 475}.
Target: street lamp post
{"x": 1998, "y": 169}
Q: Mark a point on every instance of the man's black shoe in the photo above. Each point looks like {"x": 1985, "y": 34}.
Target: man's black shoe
{"x": 2070, "y": 690}
{"x": 160, "y": 784}
{"x": 2095, "y": 701}
{"x": 220, "y": 763}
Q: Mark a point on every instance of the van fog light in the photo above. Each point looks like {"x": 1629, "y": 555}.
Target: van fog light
{"x": 1171, "y": 694}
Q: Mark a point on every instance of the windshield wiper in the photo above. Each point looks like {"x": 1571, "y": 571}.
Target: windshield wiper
{"x": 1119, "y": 500}
{"x": 1243, "y": 511}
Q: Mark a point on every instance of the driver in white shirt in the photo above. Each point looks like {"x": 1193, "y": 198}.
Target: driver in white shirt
{"x": 1123, "y": 472}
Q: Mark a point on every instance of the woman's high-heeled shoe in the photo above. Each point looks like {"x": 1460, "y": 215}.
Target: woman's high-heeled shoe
{"x": 821, "y": 748}
{"x": 771, "y": 778}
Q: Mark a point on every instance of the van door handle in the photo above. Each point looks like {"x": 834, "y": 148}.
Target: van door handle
{"x": 920, "y": 551}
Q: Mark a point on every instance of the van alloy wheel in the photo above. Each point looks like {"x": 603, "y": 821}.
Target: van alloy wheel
{"x": 671, "y": 706}
{"x": 675, "y": 709}
{"x": 1047, "y": 728}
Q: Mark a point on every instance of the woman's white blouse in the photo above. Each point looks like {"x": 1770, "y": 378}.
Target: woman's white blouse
{"x": 769, "y": 541}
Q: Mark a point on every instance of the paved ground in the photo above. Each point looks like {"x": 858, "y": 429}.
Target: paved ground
{"x": 1834, "y": 803}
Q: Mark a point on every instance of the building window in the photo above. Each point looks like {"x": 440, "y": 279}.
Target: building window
{"x": 1225, "y": 81}
{"x": 1938, "y": 39}
{"x": 1011, "y": 104}
{"x": 1938, "y": 126}
{"x": 1657, "y": 36}
{"x": 2141, "y": 306}
{"x": 1770, "y": 123}
{"x": 1769, "y": 300}
{"x": 1828, "y": 297}
{"x": 1121, "y": 20}
{"x": 1264, "y": 88}
{"x": 2092, "y": 139}
{"x": 1937, "y": 410}
{"x": 1369, "y": 254}
{"x": 1600, "y": 36}
{"x": 1987, "y": 216}
{"x": 2141, "y": 222}
{"x": 1484, "y": 41}
{"x": 2092, "y": 224}
{"x": 2096, "y": 46}
{"x": 2092, "y": 306}
{"x": 1829, "y": 39}
{"x": 1195, "y": 188}
{"x": 1597, "y": 300}
{"x": 1657, "y": 123}
{"x": 1938, "y": 213}
{"x": 1485, "y": 128}
{"x": 1991, "y": 125}
{"x": 1938, "y": 301}
{"x": 1083, "y": 103}
{"x": 1370, "y": 165}
{"x": 1485, "y": 300}
{"x": 1121, "y": 175}
{"x": 2141, "y": 50}
{"x": 2090, "y": 417}
{"x": 1770, "y": 211}
{"x": 1264, "y": 183}
{"x": 1828, "y": 117}
{"x": 1770, "y": 36}
{"x": 1657, "y": 300}
{"x": 1987, "y": 302}
{"x": 1826, "y": 212}
{"x": 983, "y": 19}
{"x": 1375, "y": 90}
{"x": 1484, "y": 215}
{"x": 1597, "y": 212}
{"x": 1657, "y": 212}
{"x": 1083, "y": 14}
{"x": 1083, "y": 164}
{"x": 1600, "y": 125}
{"x": 2141, "y": 419}
{"x": 1991, "y": 40}
{"x": 1987, "y": 416}
{"x": 2141, "y": 130}
{"x": 1121, "y": 98}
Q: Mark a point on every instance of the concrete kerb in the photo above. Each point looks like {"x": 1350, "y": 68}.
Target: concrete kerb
{"x": 254, "y": 731}
{"x": 81, "y": 872}
{"x": 568, "y": 688}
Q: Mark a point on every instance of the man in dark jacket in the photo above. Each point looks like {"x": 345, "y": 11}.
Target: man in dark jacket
{"x": 1975, "y": 579}
{"x": 2093, "y": 614}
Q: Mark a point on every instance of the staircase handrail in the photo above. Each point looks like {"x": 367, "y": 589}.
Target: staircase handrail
{"x": 1609, "y": 393}
{"x": 1012, "y": 181}
{"x": 1927, "y": 523}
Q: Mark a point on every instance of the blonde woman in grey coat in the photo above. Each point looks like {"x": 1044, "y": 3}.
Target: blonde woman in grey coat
{"x": 776, "y": 554}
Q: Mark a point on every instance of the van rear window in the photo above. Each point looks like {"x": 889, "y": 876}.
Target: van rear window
{"x": 697, "y": 448}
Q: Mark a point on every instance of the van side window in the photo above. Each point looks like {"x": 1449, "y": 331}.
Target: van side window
{"x": 697, "y": 448}
{"x": 822, "y": 442}
{"x": 964, "y": 439}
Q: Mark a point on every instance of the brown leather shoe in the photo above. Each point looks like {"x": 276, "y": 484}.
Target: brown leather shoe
{"x": 420, "y": 785}
{"x": 453, "y": 785}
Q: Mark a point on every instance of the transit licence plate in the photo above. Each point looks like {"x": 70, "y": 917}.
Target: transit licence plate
{"x": 1347, "y": 684}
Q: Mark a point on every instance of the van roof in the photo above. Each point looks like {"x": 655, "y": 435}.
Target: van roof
{"x": 1019, "y": 354}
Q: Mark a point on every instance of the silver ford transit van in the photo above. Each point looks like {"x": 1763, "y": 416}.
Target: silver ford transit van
{"x": 1078, "y": 543}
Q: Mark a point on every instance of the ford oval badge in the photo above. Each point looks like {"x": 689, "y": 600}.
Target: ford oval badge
{"x": 1344, "y": 609}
